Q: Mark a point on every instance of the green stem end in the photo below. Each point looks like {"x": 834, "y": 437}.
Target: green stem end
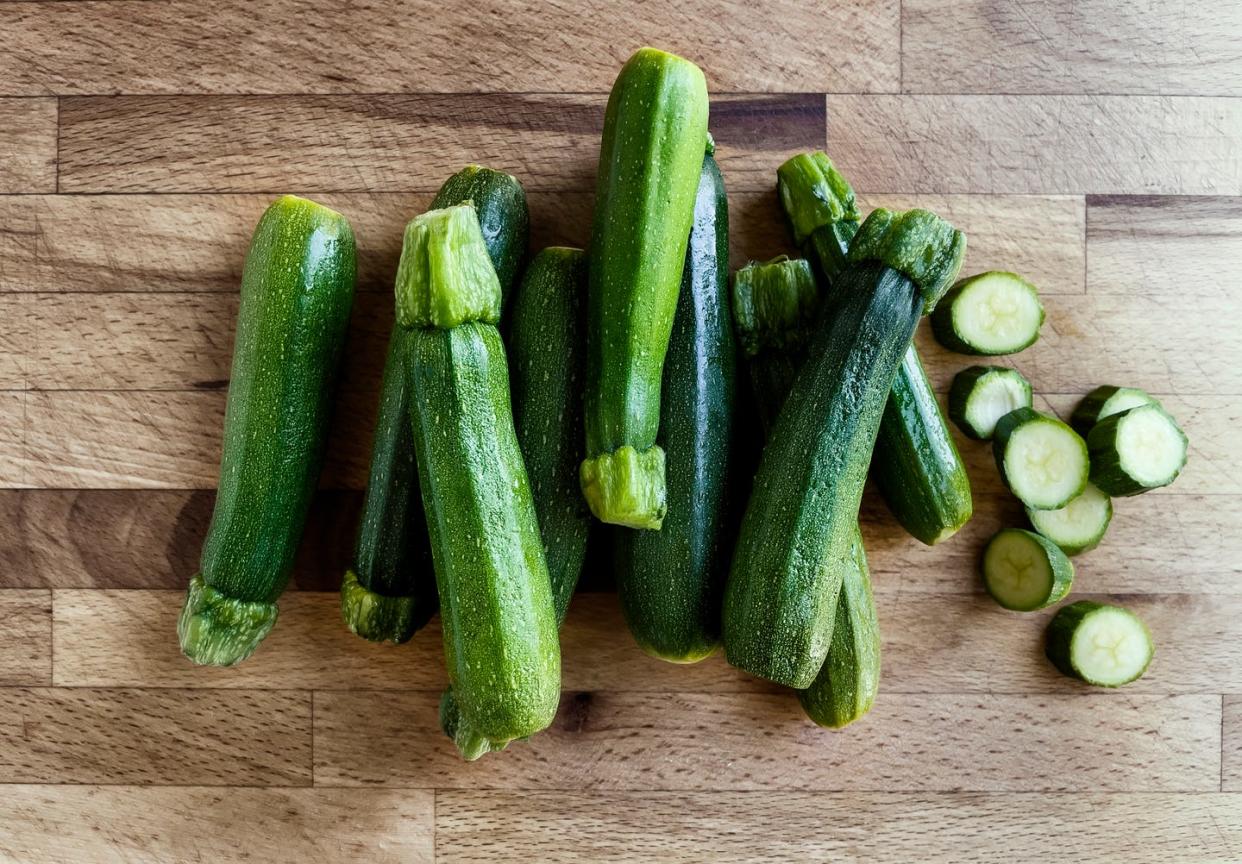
{"x": 216, "y": 630}
{"x": 626, "y": 487}
{"x": 918, "y": 244}
{"x": 445, "y": 276}
{"x": 814, "y": 194}
{"x": 774, "y": 304}
{"x": 376, "y": 617}
{"x": 470, "y": 744}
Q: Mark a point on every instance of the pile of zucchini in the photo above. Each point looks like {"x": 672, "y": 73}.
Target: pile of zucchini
{"x": 519, "y": 398}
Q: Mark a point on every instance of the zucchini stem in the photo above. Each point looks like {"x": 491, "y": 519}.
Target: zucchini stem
{"x": 217, "y": 630}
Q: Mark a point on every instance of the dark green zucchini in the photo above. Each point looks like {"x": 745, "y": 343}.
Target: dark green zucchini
{"x": 499, "y": 626}
{"x": 655, "y": 131}
{"x": 796, "y": 536}
{"x": 670, "y": 580}
{"x": 389, "y": 593}
{"x": 296, "y": 293}
{"x": 916, "y": 465}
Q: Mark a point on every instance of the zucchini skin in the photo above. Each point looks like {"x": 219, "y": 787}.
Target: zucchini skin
{"x": 670, "y": 581}
{"x": 916, "y": 464}
{"x": 500, "y": 639}
{"x": 296, "y": 294}
{"x": 1108, "y": 472}
{"x": 655, "y": 132}
{"x": 797, "y": 533}
{"x": 1087, "y": 412}
{"x": 847, "y": 683}
{"x": 389, "y": 594}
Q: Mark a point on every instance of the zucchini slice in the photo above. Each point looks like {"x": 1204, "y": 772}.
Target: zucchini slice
{"x": 1105, "y": 401}
{"x": 992, "y": 313}
{"x": 1043, "y": 461}
{"x": 1079, "y": 526}
{"x": 1137, "y": 450}
{"x": 981, "y": 395}
{"x": 1024, "y": 571}
{"x": 1104, "y": 645}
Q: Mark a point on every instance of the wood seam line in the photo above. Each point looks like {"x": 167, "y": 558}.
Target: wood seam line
{"x": 1222, "y": 742}
{"x": 901, "y": 47}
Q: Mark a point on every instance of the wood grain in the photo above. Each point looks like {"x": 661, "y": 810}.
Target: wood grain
{"x": 46, "y": 824}
{"x": 645, "y": 741}
{"x": 312, "y": 144}
{"x": 28, "y": 141}
{"x": 1066, "y": 46}
{"x": 1123, "y": 145}
{"x": 724, "y": 827}
{"x": 491, "y": 46}
{"x": 177, "y": 737}
{"x": 25, "y": 638}
{"x": 1143, "y": 245}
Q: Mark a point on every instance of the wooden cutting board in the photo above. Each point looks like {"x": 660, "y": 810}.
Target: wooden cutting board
{"x": 1094, "y": 148}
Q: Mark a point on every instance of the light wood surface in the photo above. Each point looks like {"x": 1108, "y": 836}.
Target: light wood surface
{"x": 1094, "y": 147}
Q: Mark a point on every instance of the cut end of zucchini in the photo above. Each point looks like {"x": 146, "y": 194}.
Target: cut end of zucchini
{"x": 1024, "y": 571}
{"x": 1104, "y": 645}
{"x": 1137, "y": 450}
{"x": 1105, "y": 401}
{"x": 992, "y": 313}
{"x": 981, "y": 395}
{"x": 1043, "y": 461}
{"x": 774, "y": 304}
{"x": 626, "y": 487}
{"x": 918, "y": 244}
{"x": 1079, "y": 526}
{"x": 375, "y": 617}
{"x": 814, "y": 194}
{"x": 470, "y": 744}
{"x": 445, "y": 277}
{"x": 216, "y": 630}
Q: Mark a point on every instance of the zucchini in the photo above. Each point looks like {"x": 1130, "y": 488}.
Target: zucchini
{"x": 1079, "y": 526}
{"x": 500, "y": 641}
{"x": 1100, "y": 644}
{"x": 1042, "y": 460}
{"x": 1137, "y": 450}
{"x": 655, "y": 131}
{"x": 797, "y": 533}
{"x": 775, "y": 306}
{"x": 296, "y": 293}
{"x": 981, "y": 395}
{"x": 847, "y": 683}
{"x": 1024, "y": 571}
{"x": 916, "y": 464}
{"x": 991, "y": 313}
{"x": 670, "y": 580}
{"x": 1105, "y": 401}
{"x": 389, "y": 593}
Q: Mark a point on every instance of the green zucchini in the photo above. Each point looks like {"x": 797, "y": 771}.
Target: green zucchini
{"x": 1105, "y": 401}
{"x": 669, "y": 581}
{"x": 796, "y": 535}
{"x": 655, "y": 131}
{"x": 1079, "y": 526}
{"x": 389, "y": 593}
{"x": 296, "y": 293}
{"x": 1104, "y": 645}
{"x": 981, "y": 395}
{"x": 1042, "y": 460}
{"x": 916, "y": 464}
{"x": 1137, "y": 450}
{"x": 1024, "y": 571}
{"x": 991, "y": 313}
{"x": 500, "y": 641}
{"x": 847, "y": 683}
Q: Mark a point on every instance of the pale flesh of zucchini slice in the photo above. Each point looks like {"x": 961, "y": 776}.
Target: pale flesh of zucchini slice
{"x": 1079, "y": 525}
{"x": 1101, "y": 644}
{"x": 981, "y": 395}
{"x": 1024, "y": 571}
{"x": 1137, "y": 450}
{"x": 1044, "y": 462}
{"x": 992, "y": 313}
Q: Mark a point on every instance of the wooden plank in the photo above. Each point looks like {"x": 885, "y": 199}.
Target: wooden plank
{"x": 1144, "y": 245}
{"x": 947, "y": 828}
{"x": 25, "y": 638}
{"x": 649, "y": 742}
{"x": 119, "y": 639}
{"x": 28, "y": 142}
{"x": 1136, "y": 145}
{"x": 1066, "y": 46}
{"x": 489, "y": 46}
{"x": 151, "y": 826}
{"x": 156, "y": 737}
{"x": 1231, "y": 746}
{"x": 15, "y": 338}
{"x": 124, "y": 538}
{"x": 13, "y": 462}
{"x": 386, "y": 143}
